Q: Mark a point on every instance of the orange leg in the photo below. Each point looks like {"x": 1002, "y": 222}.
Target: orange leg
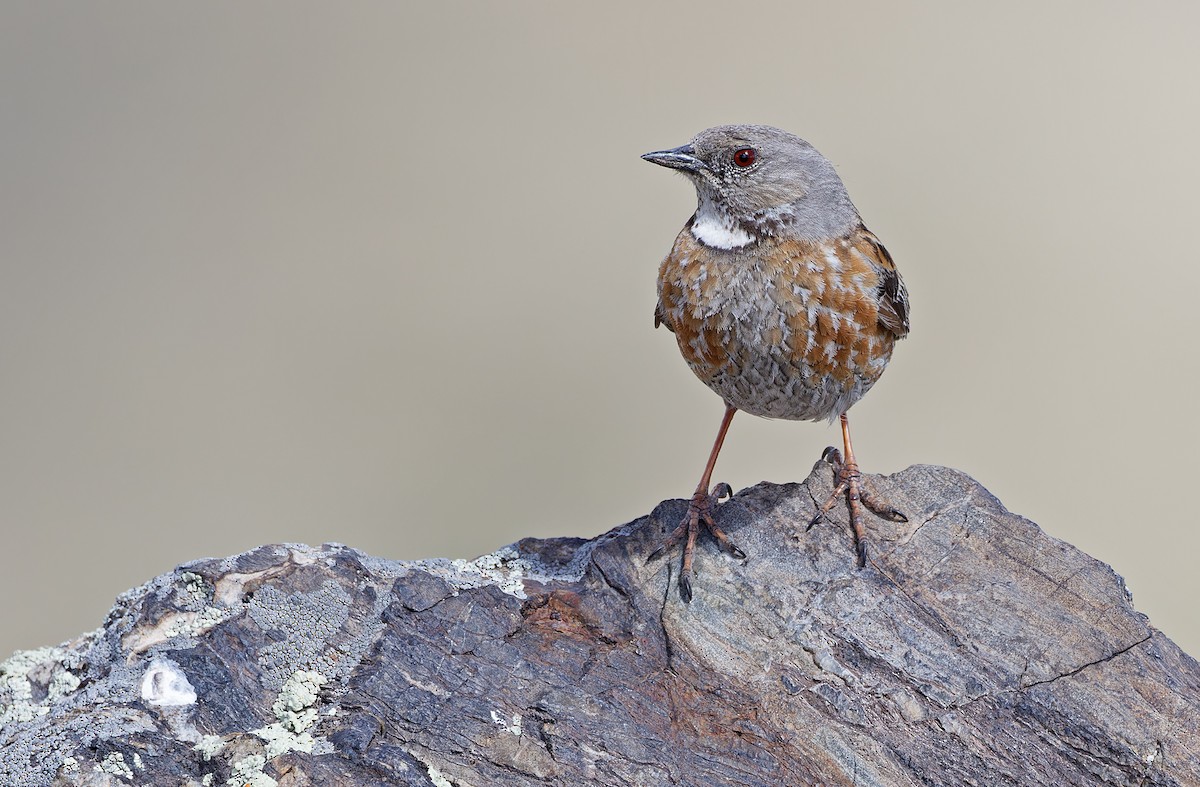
{"x": 700, "y": 512}
{"x": 850, "y": 483}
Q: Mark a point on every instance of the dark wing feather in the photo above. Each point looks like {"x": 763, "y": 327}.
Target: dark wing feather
{"x": 893, "y": 304}
{"x": 660, "y": 318}
{"x": 893, "y": 295}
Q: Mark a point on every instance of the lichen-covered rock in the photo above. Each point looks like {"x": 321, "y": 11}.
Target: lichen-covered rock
{"x": 975, "y": 649}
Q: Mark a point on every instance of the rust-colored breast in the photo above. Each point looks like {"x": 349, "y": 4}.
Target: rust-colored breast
{"x": 785, "y": 328}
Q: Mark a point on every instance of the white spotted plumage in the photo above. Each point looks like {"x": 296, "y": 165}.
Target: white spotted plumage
{"x": 794, "y": 309}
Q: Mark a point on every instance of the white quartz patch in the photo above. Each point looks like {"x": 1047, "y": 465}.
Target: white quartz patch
{"x": 164, "y": 684}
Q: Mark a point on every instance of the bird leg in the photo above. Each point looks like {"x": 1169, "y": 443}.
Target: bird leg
{"x": 700, "y": 512}
{"x": 849, "y": 482}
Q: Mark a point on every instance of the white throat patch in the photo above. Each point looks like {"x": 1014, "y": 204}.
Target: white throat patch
{"x": 719, "y": 231}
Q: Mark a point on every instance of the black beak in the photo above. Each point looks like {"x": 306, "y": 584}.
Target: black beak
{"x": 682, "y": 157}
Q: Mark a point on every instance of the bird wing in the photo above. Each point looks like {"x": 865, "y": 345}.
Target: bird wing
{"x": 892, "y": 294}
{"x": 660, "y": 317}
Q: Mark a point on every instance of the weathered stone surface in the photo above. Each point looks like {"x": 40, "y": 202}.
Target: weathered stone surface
{"x": 976, "y": 650}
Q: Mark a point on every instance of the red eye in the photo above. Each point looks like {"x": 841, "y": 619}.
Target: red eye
{"x": 745, "y": 157}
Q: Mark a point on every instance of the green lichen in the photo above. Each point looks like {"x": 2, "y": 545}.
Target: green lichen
{"x": 295, "y": 713}
{"x": 504, "y": 568}
{"x": 193, "y": 624}
{"x": 293, "y": 707}
{"x": 62, "y": 684}
{"x": 192, "y": 582}
{"x": 210, "y": 746}
{"x": 16, "y": 688}
{"x": 115, "y": 764}
{"x": 248, "y": 772}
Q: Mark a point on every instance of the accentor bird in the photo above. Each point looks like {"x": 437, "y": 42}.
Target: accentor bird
{"x": 782, "y": 302}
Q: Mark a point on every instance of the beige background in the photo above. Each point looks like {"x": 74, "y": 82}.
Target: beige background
{"x": 383, "y": 273}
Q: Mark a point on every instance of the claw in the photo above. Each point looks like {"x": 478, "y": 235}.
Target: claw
{"x": 857, "y": 493}
{"x": 685, "y": 587}
{"x": 848, "y": 481}
{"x": 848, "y": 484}
{"x": 879, "y": 508}
{"x": 843, "y": 485}
{"x": 656, "y": 554}
{"x": 671, "y": 540}
{"x": 699, "y": 514}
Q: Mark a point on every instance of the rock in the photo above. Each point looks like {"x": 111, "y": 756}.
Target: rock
{"x": 975, "y": 650}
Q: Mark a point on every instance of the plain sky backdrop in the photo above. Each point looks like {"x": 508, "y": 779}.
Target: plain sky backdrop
{"x": 382, "y": 273}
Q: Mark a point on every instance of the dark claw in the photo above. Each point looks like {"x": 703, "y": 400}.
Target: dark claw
{"x": 894, "y": 515}
{"x": 832, "y": 456}
{"x": 863, "y": 555}
{"x": 720, "y": 492}
{"x": 723, "y": 541}
{"x": 699, "y": 514}
{"x": 813, "y": 522}
{"x": 673, "y": 538}
{"x": 685, "y": 588}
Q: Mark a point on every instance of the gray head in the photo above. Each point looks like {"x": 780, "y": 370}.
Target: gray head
{"x": 758, "y": 180}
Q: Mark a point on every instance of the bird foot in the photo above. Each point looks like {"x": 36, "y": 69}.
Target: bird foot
{"x": 848, "y": 481}
{"x": 699, "y": 513}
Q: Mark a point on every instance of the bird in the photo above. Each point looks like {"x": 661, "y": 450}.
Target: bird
{"x": 781, "y": 301}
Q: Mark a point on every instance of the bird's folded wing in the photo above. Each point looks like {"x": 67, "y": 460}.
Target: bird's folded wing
{"x": 893, "y": 295}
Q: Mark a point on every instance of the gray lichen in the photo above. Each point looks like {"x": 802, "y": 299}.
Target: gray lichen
{"x": 308, "y": 622}
{"x": 327, "y": 666}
